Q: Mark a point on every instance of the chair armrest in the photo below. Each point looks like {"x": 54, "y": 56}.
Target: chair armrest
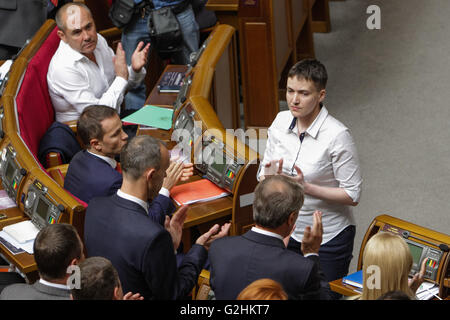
{"x": 58, "y": 173}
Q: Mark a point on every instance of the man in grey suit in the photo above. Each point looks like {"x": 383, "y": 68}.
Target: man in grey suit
{"x": 261, "y": 252}
{"x": 20, "y": 21}
{"x": 56, "y": 247}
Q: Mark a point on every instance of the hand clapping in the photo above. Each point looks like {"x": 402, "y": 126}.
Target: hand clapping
{"x": 139, "y": 57}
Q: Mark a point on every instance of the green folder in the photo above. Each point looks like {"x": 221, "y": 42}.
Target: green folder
{"x": 152, "y": 116}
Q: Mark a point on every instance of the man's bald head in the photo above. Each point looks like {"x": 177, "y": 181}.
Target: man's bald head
{"x": 70, "y": 11}
{"x": 276, "y": 197}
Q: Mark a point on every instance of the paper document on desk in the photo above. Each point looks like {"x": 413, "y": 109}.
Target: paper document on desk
{"x": 152, "y": 116}
{"x": 22, "y": 231}
{"x": 427, "y": 291}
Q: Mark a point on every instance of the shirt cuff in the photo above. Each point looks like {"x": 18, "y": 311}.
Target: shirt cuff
{"x": 119, "y": 85}
{"x": 164, "y": 192}
{"x": 136, "y": 76}
{"x": 355, "y": 195}
{"x": 311, "y": 254}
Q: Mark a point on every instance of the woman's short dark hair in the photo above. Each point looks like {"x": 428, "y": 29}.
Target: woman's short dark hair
{"x": 55, "y": 246}
{"x": 311, "y": 70}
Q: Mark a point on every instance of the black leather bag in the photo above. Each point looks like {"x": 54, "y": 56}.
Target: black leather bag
{"x": 121, "y": 12}
{"x": 165, "y": 32}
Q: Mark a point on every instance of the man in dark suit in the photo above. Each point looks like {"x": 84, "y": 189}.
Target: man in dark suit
{"x": 143, "y": 251}
{"x": 56, "y": 248}
{"x": 20, "y": 21}
{"x": 261, "y": 252}
{"x": 95, "y": 172}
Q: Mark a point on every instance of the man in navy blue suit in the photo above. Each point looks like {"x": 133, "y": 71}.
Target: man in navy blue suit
{"x": 261, "y": 252}
{"x": 143, "y": 251}
{"x": 94, "y": 172}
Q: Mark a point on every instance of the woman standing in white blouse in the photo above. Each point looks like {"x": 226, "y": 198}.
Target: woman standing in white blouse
{"x": 309, "y": 144}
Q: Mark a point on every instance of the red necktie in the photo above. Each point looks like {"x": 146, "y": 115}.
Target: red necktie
{"x": 118, "y": 168}
{"x": 55, "y": 2}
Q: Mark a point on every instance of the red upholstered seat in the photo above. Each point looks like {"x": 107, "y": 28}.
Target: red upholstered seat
{"x": 34, "y": 107}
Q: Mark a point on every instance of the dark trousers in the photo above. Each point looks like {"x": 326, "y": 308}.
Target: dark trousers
{"x": 334, "y": 256}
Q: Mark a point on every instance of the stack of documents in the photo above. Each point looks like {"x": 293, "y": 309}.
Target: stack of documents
{"x": 20, "y": 235}
{"x": 197, "y": 191}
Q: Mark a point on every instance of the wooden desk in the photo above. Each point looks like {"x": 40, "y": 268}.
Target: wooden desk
{"x": 23, "y": 261}
{"x": 201, "y": 216}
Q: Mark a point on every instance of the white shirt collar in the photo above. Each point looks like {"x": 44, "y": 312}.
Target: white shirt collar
{"x": 267, "y": 233}
{"x": 54, "y": 285}
{"x": 111, "y": 161}
{"x": 315, "y": 126}
{"x": 127, "y": 196}
{"x": 70, "y": 53}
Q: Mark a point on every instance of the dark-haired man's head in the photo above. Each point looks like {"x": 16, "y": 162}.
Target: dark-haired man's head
{"x": 99, "y": 280}
{"x": 56, "y": 247}
{"x": 144, "y": 161}
{"x": 100, "y": 130}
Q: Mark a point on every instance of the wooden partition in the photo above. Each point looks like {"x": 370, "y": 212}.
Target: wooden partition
{"x": 435, "y": 243}
{"x": 219, "y": 61}
{"x": 273, "y": 35}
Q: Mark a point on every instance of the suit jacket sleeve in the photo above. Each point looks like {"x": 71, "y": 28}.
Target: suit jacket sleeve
{"x": 116, "y": 184}
{"x": 159, "y": 208}
{"x": 317, "y": 287}
{"x": 160, "y": 268}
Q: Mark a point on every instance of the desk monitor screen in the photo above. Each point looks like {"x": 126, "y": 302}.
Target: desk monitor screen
{"x": 42, "y": 209}
{"x": 420, "y": 252}
{"x": 9, "y": 171}
{"x": 219, "y": 165}
{"x": 416, "y": 253}
{"x": 182, "y": 94}
{"x": 38, "y": 206}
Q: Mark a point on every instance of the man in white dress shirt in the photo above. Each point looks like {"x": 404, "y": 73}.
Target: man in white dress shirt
{"x": 309, "y": 144}
{"x": 84, "y": 70}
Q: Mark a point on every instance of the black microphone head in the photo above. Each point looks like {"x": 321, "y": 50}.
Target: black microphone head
{"x": 443, "y": 247}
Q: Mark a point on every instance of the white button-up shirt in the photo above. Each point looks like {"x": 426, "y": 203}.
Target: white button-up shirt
{"x": 327, "y": 157}
{"x": 75, "y": 82}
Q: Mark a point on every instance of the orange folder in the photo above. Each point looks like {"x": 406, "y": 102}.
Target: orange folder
{"x": 197, "y": 191}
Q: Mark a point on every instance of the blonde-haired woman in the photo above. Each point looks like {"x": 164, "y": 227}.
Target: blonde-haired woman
{"x": 389, "y": 255}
